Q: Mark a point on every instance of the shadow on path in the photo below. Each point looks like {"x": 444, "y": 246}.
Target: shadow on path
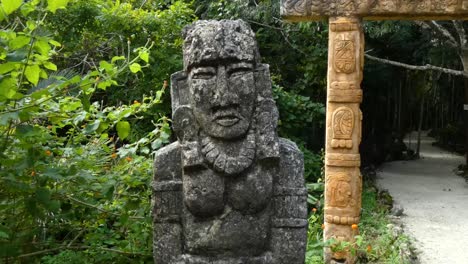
{"x": 435, "y": 202}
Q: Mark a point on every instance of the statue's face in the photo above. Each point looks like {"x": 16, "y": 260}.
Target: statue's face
{"x": 223, "y": 98}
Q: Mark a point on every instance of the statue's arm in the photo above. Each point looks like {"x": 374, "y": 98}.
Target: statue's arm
{"x": 167, "y": 205}
{"x": 289, "y": 224}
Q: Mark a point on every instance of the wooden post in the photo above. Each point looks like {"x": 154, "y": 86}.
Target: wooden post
{"x": 343, "y": 181}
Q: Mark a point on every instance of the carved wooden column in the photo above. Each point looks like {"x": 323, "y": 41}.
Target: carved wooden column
{"x": 343, "y": 181}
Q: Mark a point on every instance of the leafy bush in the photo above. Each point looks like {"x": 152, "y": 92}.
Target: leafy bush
{"x": 69, "y": 180}
{"x": 301, "y": 119}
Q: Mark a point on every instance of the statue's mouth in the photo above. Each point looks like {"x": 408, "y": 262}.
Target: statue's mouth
{"x": 227, "y": 120}
{"x": 226, "y": 117}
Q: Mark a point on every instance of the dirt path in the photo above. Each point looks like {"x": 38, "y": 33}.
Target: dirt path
{"x": 435, "y": 203}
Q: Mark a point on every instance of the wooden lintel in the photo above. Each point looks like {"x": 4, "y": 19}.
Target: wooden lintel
{"x": 312, "y": 10}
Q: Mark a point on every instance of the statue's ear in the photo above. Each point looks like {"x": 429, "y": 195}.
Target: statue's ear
{"x": 180, "y": 94}
{"x": 183, "y": 121}
{"x": 186, "y": 129}
{"x": 184, "y": 124}
{"x": 266, "y": 115}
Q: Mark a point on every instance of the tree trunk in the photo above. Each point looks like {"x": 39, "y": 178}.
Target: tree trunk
{"x": 399, "y": 110}
{"x": 464, "y": 59}
{"x": 421, "y": 117}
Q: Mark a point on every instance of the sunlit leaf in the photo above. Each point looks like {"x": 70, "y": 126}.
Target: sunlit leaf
{"x": 9, "y": 6}
{"x": 49, "y": 65}
{"x": 32, "y": 73}
{"x": 19, "y": 42}
{"x": 53, "y": 5}
{"x": 117, "y": 58}
{"x": 42, "y": 46}
{"x": 55, "y": 43}
{"x": 135, "y": 67}
{"x": 123, "y": 129}
{"x": 7, "y": 88}
{"x": 144, "y": 55}
{"x": 7, "y": 67}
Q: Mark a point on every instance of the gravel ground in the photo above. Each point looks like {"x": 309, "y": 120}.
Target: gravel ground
{"x": 435, "y": 203}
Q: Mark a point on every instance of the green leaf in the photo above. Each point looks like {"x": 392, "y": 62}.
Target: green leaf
{"x": 53, "y": 5}
{"x": 8, "y": 88}
{"x": 42, "y": 46}
{"x": 9, "y": 6}
{"x": 55, "y": 43}
{"x": 104, "y": 65}
{"x": 85, "y": 101}
{"x": 32, "y": 73}
{"x": 49, "y": 65}
{"x": 104, "y": 84}
{"x": 7, "y": 117}
{"x": 117, "y": 58}
{"x": 123, "y": 129}
{"x": 90, "y": 128}
{"x": 7, "y": 67}
{"x": 17, "y": 55}
{"x": 19, "y": 42}
{"x": 28, "y": 8}
{"x": 135, "y": 67}
{"x": 144, "y": 55}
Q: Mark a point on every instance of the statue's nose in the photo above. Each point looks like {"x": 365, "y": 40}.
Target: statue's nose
{"x": 224, "y": 94}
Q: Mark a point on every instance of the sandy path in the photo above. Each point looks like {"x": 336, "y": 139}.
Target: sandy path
{"x": 435, "y": 203}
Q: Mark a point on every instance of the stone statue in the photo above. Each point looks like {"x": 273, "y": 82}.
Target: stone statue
{"x": 229, "y": 191}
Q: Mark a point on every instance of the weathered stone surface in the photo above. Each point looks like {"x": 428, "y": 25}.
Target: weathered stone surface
{"x": 374, "y": 9}
{"x": 229, "y": 190}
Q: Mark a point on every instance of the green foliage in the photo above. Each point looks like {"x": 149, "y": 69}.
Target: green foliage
{"x": 297, "y": 112}
{"x": 68, "y": 179}
{"x": 315, "y": 244}
{"x": 378, "y": 242}
{"x": 95, "y": 30}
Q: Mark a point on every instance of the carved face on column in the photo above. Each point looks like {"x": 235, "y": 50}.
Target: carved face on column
{"x": 219, "y": 57}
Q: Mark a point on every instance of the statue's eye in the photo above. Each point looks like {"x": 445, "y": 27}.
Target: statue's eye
{"x": 239, "y": 69}
{"x": 203, "y": 73}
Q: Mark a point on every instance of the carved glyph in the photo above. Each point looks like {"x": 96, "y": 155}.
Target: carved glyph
{"x": 339, "y": 190}
{"x": 344, "y": 53}
{"x": 343, "y": 127}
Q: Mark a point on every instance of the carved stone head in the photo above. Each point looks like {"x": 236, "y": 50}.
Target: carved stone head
{"x": 224, "y": 92}
{"x": 219, "y": 58}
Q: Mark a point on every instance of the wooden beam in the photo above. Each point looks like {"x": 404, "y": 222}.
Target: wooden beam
{"x": 309, "y": 10}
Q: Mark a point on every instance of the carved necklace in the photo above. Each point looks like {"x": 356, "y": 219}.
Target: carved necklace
{"x": 226, "y": 163}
